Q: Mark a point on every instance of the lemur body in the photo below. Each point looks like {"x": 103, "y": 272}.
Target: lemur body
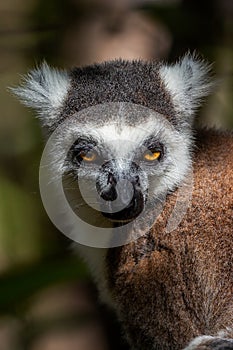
{"x": 172, "y": 287}
{"x": 167, "y": 288}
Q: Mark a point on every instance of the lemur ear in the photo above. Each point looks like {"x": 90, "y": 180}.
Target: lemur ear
{"x": 187, "y": 81}
{"x": 44, "y": 89}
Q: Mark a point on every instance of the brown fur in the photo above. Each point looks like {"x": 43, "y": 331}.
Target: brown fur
{"x": 171, "y": 287}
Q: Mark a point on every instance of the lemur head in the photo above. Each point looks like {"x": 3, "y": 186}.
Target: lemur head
{"x": 132, "y": 123}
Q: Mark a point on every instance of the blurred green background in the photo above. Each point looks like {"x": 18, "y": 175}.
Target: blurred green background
{"x": 47, "y": 301}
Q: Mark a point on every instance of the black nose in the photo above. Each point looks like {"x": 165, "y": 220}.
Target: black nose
{"x": 125, "y": 188}
{"x": 109, "y": 192}
{"x": 130, "y": 211}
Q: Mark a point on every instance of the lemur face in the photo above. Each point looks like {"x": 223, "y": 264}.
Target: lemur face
{"x": 131, "y": 127}
{"x": 126, "y": 163}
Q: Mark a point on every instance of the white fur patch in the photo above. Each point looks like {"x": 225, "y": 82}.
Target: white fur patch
{"x": 194, "y": 345}
{"x": 204, "y": 340}
{"x": 122, "y": 141}
{"x": 226, "y": 333}
{"x": 44, "y": 89}
{"x": 188, "y": 82}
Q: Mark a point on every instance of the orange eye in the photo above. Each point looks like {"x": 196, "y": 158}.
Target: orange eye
{"x": 151, "y": 156}
{"x": 89, "y": 157}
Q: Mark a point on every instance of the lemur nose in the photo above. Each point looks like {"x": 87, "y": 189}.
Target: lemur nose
{"x": 111, "y": 179}
{"x": 111, "y": 184}
{"x": 109, "y": 192}
{"x": 121, "y": 191}
{"x": 135, "y": 180}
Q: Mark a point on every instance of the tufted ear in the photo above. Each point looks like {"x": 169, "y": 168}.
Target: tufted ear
{"x": 187, "y": 81}
{"x": 44, "y": 89}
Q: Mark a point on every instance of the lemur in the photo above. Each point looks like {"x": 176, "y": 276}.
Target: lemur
{"x": 171, "y": 290}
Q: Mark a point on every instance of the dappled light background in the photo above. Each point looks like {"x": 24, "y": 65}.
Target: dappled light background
{"x": 47, "y": 300}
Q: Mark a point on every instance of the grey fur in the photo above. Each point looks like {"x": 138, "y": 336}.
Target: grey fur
{"x": 44, "y": 89}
